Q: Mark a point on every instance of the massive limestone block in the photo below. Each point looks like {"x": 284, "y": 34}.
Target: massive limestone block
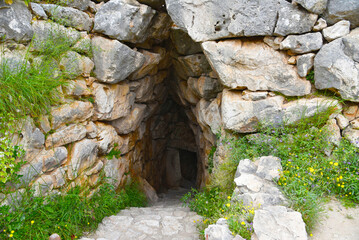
{"x": 209, "y": 20}
{"x": 114, "y": 61}
{"x": 77, "y": 111}
{"x": 15, "y": 22}
{"x": 314, "y": 6}
{"x": 69, "y": 16}
{"x": 278, "y": 223}
{"x": 131, "y": 122}
{"x": 112, "y": 101}
{"x": 125, "y": 20}
{"x": 304, "y": 108}
{"x": 46, "y": 33}
{"x": 243, "y": 116}
{"x": 305, "y": 43}
{"x": 293, "y": 20}
{"x": 336, "y": 66}
{"x": 342, "y": 10}
{"x": 74, "y": 65}
{"x": 83, "y": 156}
{"x": 66, "y": 135}
{"x": 254, "y": 65}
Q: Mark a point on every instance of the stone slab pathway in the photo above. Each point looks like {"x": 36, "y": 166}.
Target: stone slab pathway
{"x": 165, "y": 220}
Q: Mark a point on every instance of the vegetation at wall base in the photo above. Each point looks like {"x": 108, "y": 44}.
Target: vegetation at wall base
{"x": 309, "y": 175}
{"x": 212, "y": 204}
{"x": 69, "y": 215}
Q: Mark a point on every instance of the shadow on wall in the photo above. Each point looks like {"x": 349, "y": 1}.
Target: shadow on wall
{"x": 181, "y": 168}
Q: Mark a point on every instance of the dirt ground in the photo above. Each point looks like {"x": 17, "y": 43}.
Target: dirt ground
{"x": 340, "y": 223}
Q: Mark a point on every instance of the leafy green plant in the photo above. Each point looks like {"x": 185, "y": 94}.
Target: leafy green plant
{"x": 114, "y": 152}
{"x": 310, "y": 76}
{"x": 210, "y": 159}
{"x": 213, "y": 204}
{"x": 10, "y": 154}
{"x": 308, "y": 173}
{"x": 69, "y": 215}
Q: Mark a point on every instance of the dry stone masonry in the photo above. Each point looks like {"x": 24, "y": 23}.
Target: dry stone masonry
{"x": 153, "y": 81}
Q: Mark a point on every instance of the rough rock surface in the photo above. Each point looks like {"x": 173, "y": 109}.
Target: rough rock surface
{"x": 305, "y": 63}
{"x": 336, "y": 66}
{"x": 77, "y": 111}
{"x": 305, "y": 43}
{"x": 340, "y": 29}
{"x": 69, "y": 16}
{"x": 124, "y": 20}
{"x": 48, "y": 33}
{"x": 66, "y": 135}
{"x": 239, "y": 18}
{"x": 83, "y": 156}
{"x": 293, "y": 20}
{"x": 342, "y": 10}
{"x": 15, "y": 21}
{"x": 352, "y": 135}
{"x": 278, "y": 223}
{"x": 114, "y": 61}
{"x": 314, "y": 6}
{"x": 166, "y": 219}
{"x": 254, "y": 65}
{"x": 131, "y": 121}
{"x": 254, "y": 182}
{"x": 112, "y": 101}
{"x": 241, "y": 114}
{"x": 218, "y": 231}
{"x": 184, "y": 43}
{"x": 38, "y": 10}
{"x": 227, "y": 19}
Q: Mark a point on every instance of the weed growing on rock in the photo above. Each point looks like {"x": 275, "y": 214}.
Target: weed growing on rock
{"x": 309, "y": 174}
{"x": 68, "y": 215}
{"x": 212, "y": 204}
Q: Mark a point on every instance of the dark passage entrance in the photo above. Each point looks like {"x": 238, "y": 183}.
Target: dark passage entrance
{"x": 188, "y": 161}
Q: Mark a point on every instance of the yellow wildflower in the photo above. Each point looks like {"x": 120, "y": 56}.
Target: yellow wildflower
{"x": 229, "y": 197}
{"x": 243, "y": 223}
{"x": 335, "y": 164}
{"x": 32, "y": 222}
{"x": 228, "y": 204}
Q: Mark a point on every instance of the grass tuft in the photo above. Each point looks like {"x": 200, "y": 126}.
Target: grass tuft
{"x": 68, "y": 215}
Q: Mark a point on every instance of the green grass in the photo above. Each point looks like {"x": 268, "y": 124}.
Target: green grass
{"x": 67, "y": 215}
{"x": 309, "y": 176}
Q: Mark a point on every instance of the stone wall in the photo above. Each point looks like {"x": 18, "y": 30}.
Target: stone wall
{"x": 151, "y": 88}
